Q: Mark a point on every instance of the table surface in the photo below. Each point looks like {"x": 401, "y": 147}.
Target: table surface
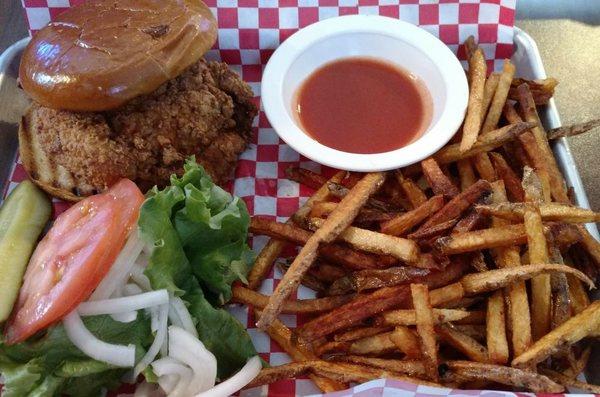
{"x": 570, "y": 51}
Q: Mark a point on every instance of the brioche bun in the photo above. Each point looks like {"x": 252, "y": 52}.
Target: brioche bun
{"x": 101, "y": 54}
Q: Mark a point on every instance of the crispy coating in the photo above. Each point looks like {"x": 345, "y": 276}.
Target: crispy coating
{"x": 206, "y": 111}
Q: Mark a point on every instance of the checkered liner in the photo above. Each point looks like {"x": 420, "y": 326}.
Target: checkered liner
{"x": 249, "y": 32}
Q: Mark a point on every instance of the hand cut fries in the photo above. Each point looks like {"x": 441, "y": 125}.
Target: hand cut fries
{"x": 477, "y": 248}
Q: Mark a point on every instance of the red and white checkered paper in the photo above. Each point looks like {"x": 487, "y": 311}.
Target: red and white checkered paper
{"x": 249, "y": 32}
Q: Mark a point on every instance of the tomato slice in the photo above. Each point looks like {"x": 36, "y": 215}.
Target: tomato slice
{"x": 71, "y": 260}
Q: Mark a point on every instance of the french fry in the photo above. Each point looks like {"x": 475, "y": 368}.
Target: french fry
{"x": 476, "y": 283}
{"x": 463, "y": 343}
{"x": 504, "y": 375}
{"x": 561, "y": 308}
{"x": 321, "y": 194}
{"x": 548, "y": 211}
{"x": 444, "y": 295}
{"x": 250, "y": 297}
{"x": 367, "y": 305}
{"x": 573, "y": 130}
{"x": 511, "y": 181}
{"x": 491, "y": 84}
{"x": 283, "y": 337}
{"x": 471, "y": 221}
{"x": 591, "y": 245}
{"x": 280, "y": 372}
{"x": 377, "y": 243}
{"x": 459, "y": 204}
{"x": 567, "y": 381}
{"x": 409, "y": 317}
{"x": 484, "y": 167}
{"x": 541, "y": 89}
{"x": 373, "y": 345}
{"x": 496, "y": 329}
{"x": 516, "y": 293}
{"x": 425, "y": 329}
{"x": 364, "y": 280}
{"x": 473, "y": 119}
{"x": 433, "y": 231}
{"x": 336, "y": 253}
{"x": 408, "y": 367}
{"x": 340, "y": 191}
{"x": 579, "y": 364}
{"x": 402, "y": 223}
{"x": 437, "y": 180}
{"x": 478, "y": 262}
{"x": 305, "y": 177}
{"x": 572, "y": 331}
{"x": 322, "y": 209}
{"x": 477, "y": 332}
{"x": 541, "y": 296}
{"x": 476, "y": 240}
{"x": 407, "y": 342}
{"x": 358, "y": 333}
{"x": 500, "y": 95}
{"x": 412, "y": 191}
{"x": 327, "y": 272}
{"x": 465, "y": 174}
{"x": 485, "y": 143}
{"x": 557, "y": 183}
{"x": 337, "y": 222}
{"x": 470, "y": 46}
{"x": 577, "y": 294}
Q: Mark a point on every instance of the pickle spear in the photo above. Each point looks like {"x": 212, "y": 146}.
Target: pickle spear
{"x": 23, "y": 216}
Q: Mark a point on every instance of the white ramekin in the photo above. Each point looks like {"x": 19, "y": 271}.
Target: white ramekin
{"x": 388, "y": 39}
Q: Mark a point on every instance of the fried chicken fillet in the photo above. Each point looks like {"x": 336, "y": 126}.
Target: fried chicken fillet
{"x": 207, "y": 111}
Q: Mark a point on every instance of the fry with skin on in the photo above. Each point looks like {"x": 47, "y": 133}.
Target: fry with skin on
{"x": 406, "y": 341}
{"x": 283, "y": 336}
{"x": 512, "y": 183}
{"x": 557, "y": 183}
{"x": 504, "y": 375}
{"x": 359, "y": 333}
{"x": 402, "y": 223}
{"x": 541, "y": 294}
{"x": 502, "y": 236}
{"x": 541, "y": 89}
{"x": 305, "y": 177}
{"x": 500, "y": 95}
{"x": 577, "y": 295}
{"x": 258, "y": 300}
{"x": 573, "y": 130}
{"x": 433, "y": 231}
{"x": 459, "y": 204}
{"x": 591, "y": 245}
{"x": 364, "y": 306}
{"x": 377, "y": 243}
{"x": 337, "y": 222}
{"x": 516, "y": 293}
{"x": 484, "y": 167}
{"x": 463, "y": 343}
{"x": 477, "y": 332}
{"x": 473, "y": 119}
{"x": 409, "y": 317}
{"x": 425, "y": 329}
{"x": 322, "y": 209}
{"x": 375, "y": 344}
{"x": 364, "y": 280}
{"x": 286, "y": 371}
{"x": 411, "y": 190}
{"x": 496, "y": 329}
{"x": 321, "y": 194}
{"x": 471, "y": 221}
{"x": 548, "y": 211}
{"x": 465, "y": 174}
{"x": 572, "y": 331}
{"x": 408, "y": 367}
{"x": 437, "y": 180}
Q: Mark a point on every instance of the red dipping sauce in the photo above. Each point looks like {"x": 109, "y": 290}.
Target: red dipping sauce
{"x": 362, "y": 105}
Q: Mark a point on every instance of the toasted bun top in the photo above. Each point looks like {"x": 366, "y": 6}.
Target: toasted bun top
{"x": 101, "y": 54}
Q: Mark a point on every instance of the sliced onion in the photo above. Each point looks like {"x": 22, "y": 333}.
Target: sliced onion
{"x": 132, "y": 289}
{"x": 161, "y": 334}
{"x": 138, "y": 276}
{"x": 168, "y": 382}
{"x": 126, "y": 317}
{"x": 237, "y": 381}
{"x": 171, "y": 366}
{"x": 186, "y": 348}
{"x": 178, "y": 306}
{"x": 80, "y": 336}
{"x": 119, "y": 271}
{"x": 146, "y": 389}
{"x": 124, "y": 304}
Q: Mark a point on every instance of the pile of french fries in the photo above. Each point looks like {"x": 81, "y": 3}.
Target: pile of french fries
{"x": 468, "y": 270}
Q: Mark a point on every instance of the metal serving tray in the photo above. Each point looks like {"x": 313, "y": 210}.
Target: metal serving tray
{"x": 526, "y": 58}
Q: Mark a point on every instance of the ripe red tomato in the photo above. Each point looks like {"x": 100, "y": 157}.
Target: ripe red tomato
{"x": 71, "y": 260}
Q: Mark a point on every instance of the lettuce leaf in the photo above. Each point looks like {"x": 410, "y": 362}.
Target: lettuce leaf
{"x": 199, "y": 232}
{"x": 52, "y": 365}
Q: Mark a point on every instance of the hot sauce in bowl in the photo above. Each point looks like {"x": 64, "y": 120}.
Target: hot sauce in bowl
{"x": 363, "y": 105}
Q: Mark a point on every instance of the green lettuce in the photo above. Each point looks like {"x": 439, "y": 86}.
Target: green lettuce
{"x": 199, "y": 232}
{"x": 52, "y": 365}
